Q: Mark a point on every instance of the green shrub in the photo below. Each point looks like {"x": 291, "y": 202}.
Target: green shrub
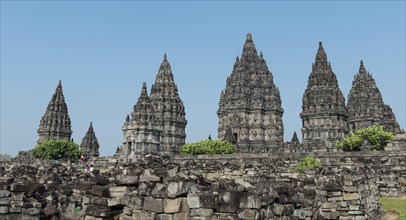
{"x": 307, "y": 163}
{"x": 56, "y": 149}
{"x": 208, "y": 147}
{"x": 375, "y": 135}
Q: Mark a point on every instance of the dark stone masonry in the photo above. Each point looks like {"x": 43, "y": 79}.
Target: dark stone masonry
{"x": 55, "y": 124}
{"x": 147, "y": 178}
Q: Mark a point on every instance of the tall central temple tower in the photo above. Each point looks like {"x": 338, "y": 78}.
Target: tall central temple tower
{"x": 250, "y": 109}
{"x": 324, "y": 114}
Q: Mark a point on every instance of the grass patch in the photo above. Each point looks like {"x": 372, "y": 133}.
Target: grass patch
{"x": 395, "y": 205}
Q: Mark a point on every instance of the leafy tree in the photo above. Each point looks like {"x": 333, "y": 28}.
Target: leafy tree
{"x": 208, "y": 147}
{"x": 307, "y": 163}
{"x": 375, "y": 135}
{"x": 56, "y": 149}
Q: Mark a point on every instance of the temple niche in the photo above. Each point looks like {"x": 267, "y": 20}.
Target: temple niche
{"x": 250, "y": 108}
{"x": 365, "y": 104}
{"x": 324, "y": 114}
{"x": 55, "y": 124}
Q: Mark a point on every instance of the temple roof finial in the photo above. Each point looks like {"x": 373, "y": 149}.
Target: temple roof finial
{"x": 144, "y": 89}
{"x": 249, "y": 37}
{"x": 362, "y": 68}
{"x": 165, "y": 59}
{"x": 321, "y": 57}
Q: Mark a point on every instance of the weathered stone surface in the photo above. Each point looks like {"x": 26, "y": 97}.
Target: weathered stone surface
{"x": 4, "y": 201}
{"x": 3, "y": 209}
{"x": 169, "y": 109}
{"x": 55, "y": 124}
{"x": 141, "y": 132}
{"x": 172, "y": 205}
{"x": 148, "y": 177}
{"x": 133, "y": 201}
{"x": 248, "y": 214}
{"x": 350, "y": 196}
{"x": 201, "y": 212}
{"x": 143, "y": 215}
{"x": 278, "y": 209}
{"x": 154, "y": 205}
{"x": 118, "y": 191}
{"x": 181, "y": 216}
{"x": 366, "y": 106}
{"x": 122, "y": 179}
{"x": 250, "y": 202}
{"x": 164, "y": 217}
{"x": 4, "y": 193}
{"x": 250, "y": 111}
{"x": 324, "y": 114}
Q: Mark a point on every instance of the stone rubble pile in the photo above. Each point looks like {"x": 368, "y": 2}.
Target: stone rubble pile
{"x": 156, "y": 188}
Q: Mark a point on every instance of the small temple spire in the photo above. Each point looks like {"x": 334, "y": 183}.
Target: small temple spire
{"x": 127, "y": 119}
{"x": 90, "y": 144}
{"x": 295, "y": 139}
{"x": 165, "y": 59}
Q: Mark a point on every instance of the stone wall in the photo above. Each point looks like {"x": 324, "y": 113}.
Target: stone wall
{"x": 249, "y": 186}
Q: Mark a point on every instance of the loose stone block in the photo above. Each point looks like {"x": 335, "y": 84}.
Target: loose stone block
{"x": 5, "y": 201}
{"x": 201, "y": 212}
{"x": 143, "y": 215}
{"x": 122, "y": 179}
{"x": 148, "y": 177}
{"x": 154, "y": 205}
{"x": 247, "y": 214}
{"x": 3, "y": 209}
{"x": 321, "y": 192}
{"x": 250, "y": 202}
{"x": 4, "y": 193}
{"x": 127, "y": 210}
{"x": 193, "y": 201}
{"x": 351, "y": 196}
{"x": 164, "y": 217}
{"x": 172, "y": 205}
{"x": 181, "y": 216}
{"x": 31, "y": 211}
{"x": 278, "y": 209}
{"x": 118, "y": 191}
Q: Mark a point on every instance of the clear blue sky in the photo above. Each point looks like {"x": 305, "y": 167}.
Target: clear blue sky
{"x": 103, "y": 51}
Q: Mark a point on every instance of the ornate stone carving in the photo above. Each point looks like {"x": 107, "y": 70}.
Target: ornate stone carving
{"x": 250, "y": 106}
{"x": 55, "y": 124}
{"x": 324, "y": 114}
{"x": 169, "y": 109}
{"x": 141, "y": 131}
{"x": 365, "y": 104}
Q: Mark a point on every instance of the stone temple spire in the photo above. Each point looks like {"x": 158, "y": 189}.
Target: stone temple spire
{"x": 250, "y": 106}
{"x": 365, "y": 104}
{"x": 142, "y": 133}
{"x": 90, "y": 143}
{"x": 55, "y": 124}
{"x": 324, "y": 113}
{"x": 169, "y": 109}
